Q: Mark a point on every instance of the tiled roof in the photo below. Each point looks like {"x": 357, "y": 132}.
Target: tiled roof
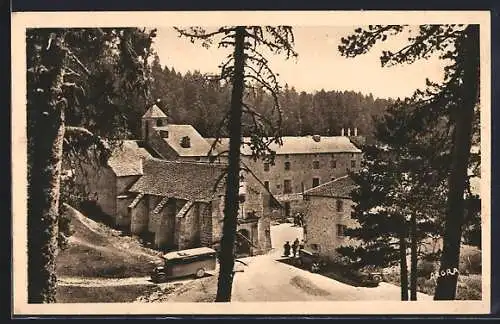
{"x": 126, "y": 159}
{"x": 299, "y": 145}
{"x": 199, "y": 146}
{"x": 181, "y": 180}
{"x": 154, "y": 112}
{"x": 338, "y": 188}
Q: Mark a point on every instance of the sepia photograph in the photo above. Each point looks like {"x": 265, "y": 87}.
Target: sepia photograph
{"x": 251, "y": 163}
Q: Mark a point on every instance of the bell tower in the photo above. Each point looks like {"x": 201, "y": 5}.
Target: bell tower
{"x": 154, "y": 117}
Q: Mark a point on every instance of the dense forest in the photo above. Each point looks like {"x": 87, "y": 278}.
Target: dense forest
{"x": 194, "y": 98}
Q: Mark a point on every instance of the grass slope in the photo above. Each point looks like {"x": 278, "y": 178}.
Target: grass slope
{"x": 96, "y": 250}
{"x": 115, "y": 294}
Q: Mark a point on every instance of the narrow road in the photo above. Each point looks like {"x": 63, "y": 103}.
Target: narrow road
{"x": 100, "y": 282}
{"x": 267, "y": 279}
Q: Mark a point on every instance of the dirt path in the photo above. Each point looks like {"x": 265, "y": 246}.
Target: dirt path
{"x": 106, "y": 282}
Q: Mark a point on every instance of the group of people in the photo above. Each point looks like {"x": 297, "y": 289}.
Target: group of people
{"x": 296, "y": 245}
{"x": 298, "y": 220}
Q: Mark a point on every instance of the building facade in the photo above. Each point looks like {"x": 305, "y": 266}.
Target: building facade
{"x": 181, "y": 205}
{"x": 301, "y": 163}
{"x": 328, "y": 214}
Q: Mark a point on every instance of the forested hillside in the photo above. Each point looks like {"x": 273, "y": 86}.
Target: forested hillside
{"x": 194, "y": 99}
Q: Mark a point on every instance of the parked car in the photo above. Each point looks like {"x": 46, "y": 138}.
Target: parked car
{"x": 373, "y": 273}
{"x": 185, "y": 263}
{"x": 310, "y": 260}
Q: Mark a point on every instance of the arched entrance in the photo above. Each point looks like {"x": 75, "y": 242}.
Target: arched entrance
{"x": 243, "y": 242}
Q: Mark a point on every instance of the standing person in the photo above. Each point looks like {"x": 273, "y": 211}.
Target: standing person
{"x": 295, "y": 246}
{"x": 286, "y": 247}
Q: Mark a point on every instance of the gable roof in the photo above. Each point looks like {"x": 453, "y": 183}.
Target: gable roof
{"x": 298, "y": 145}
{"x": 182, "y": 180}
{"x": 126, "y": 160}
{"x": 199, "y": 146}
{"x": 338, "y": 188}
{"x": 154, "y": 112}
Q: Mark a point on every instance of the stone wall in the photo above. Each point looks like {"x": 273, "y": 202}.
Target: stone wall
{"x": 153, "y": 218}
{"x": 189, "y": 235}
{"x": 164, "y": 234}
{"x": 157, "y": 142}
{"x": 123, "y": 184}
{"x": 321, "y": 222}
{"x": 302, "y": 171}
{"x": 205, "y": 211}
{"x": 123, "y": 200}
{"x": 264, "y": 234}
{"x": 217, "y": 217}
{"x": 253, "y": 201}
{"x": 147, "y": 125}
{"x": 139, "y": 217}
{"x": 264, "y": 225}
{"x": 122, "y": 213}
{"x": 178, "y": 224}
{"x": 99, "y": 183}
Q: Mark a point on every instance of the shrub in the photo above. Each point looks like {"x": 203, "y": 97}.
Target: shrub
{"x": 426, "y": 286}
{"x": 470, "y": 261}
{"x": 393, "y": 277}
{"x": 469, "y": 288}
{"x": 426, "y": 268}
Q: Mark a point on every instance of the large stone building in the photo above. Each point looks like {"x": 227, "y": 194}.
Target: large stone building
{"x": 328, "y": 214}
{"x": 159, "y": 186}
{"x": 301, "y": 163}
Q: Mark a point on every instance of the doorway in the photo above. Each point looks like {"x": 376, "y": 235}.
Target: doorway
{"x": 243, "y": 241}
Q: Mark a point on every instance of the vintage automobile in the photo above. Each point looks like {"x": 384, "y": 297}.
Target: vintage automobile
{"x": 310, "y": 260}
{"x": 185, "y": 263}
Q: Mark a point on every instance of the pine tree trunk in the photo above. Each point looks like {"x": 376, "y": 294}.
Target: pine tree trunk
{"x": 469, "y": 53}
{"x": 403, "y": 266}
{"x": 413, "y": 248}
{"x": 226, "y": 273}
{"x": 44, "y": 184}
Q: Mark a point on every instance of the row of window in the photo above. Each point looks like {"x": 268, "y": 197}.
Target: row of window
{"x": 317, "y": 154}
{"x": 315, "y": 165}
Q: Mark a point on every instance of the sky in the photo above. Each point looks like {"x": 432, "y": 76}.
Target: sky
{"x": 319, "y": 64}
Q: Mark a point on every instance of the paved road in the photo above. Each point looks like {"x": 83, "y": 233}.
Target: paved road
{"x": 267, "y": 279}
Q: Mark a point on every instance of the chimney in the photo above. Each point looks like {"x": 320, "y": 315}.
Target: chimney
{"x": 342, "y": 132}
{"x": 185, "y": 142}
{"x": 348, "y": 132}
{"x": 355, "y": 131}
